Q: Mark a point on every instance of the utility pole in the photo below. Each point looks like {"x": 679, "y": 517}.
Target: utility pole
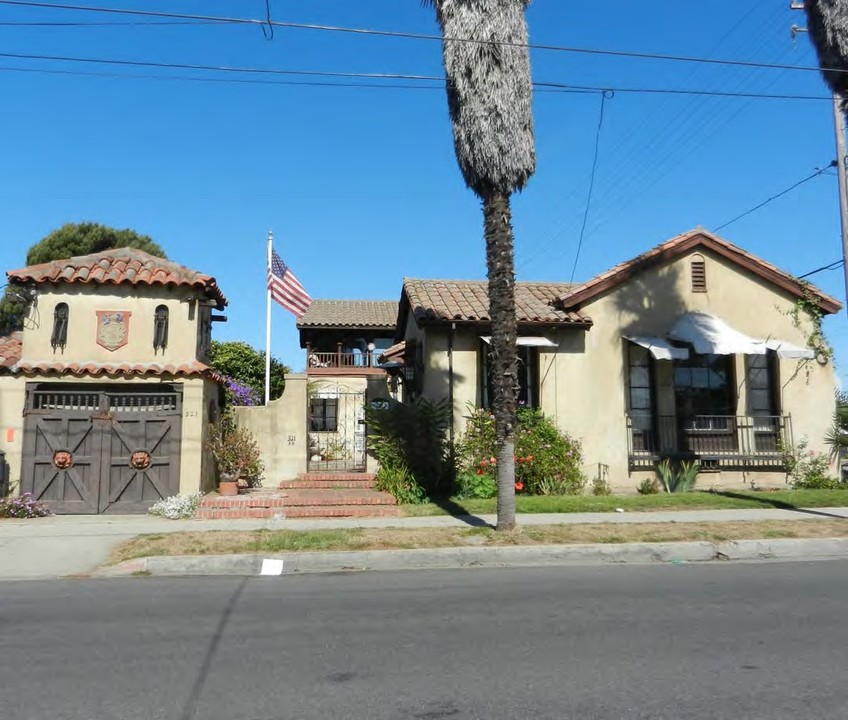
{"x": 841, "y": 159}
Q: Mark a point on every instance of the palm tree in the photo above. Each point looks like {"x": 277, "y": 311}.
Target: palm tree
{"x": 487, "y": 67}
{"x": 827, "y": 21}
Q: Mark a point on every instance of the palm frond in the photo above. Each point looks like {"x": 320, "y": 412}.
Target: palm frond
{"x": 827, "y": 21}
{"x": 489, "y": 90}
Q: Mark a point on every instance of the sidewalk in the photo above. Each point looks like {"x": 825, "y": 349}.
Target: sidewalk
{"x": 76, "y": 544}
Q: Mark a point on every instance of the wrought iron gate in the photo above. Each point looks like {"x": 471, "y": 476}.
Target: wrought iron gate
{"x": 336, "y": 430}
{"x": 94, "y": 450}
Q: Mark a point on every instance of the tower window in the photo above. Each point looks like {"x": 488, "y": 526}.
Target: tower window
{"x": 59, "y": 337}
{"x": 160, "y": 328}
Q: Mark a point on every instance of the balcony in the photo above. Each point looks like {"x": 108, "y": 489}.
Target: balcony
{"x": 342, "y": 362}
{"x": 717, "y": 441}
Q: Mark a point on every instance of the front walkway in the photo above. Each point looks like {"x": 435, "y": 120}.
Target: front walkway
{"x": 75, "y": 544}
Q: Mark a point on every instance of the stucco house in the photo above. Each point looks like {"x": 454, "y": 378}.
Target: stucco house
{"x": 105, "y": 396}
{"x": 695, "y": 349}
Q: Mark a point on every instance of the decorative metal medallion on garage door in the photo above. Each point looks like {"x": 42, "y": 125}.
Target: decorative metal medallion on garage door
{"x": 101, "y": 449}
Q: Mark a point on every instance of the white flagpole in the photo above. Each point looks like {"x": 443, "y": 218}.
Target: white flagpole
{"x": 268, "y": 325}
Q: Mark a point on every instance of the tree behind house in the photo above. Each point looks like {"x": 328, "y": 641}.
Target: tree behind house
{"x": 489, "y": 92}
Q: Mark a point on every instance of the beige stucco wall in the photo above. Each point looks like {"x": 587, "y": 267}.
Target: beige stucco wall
{"x": 582, "y": 380}
{"x": 185, "y": 321}
{"x": 12, "y": 397}
{"x": 280, "y": 430}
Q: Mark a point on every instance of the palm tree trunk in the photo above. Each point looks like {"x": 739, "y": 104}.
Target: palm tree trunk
{"x": 501, "y": 267}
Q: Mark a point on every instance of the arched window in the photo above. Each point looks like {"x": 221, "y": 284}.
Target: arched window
{"x": 59, "y": 338}
{"x": 160, "y": 328}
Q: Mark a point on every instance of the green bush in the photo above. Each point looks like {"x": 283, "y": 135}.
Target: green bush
{"x": 547, "y": 462}
{"x": 809, "y": 470}
{"x": 601, "y": 486}
{"x": 410, "y": 444}
{"x": 471, "y": 485}
{"x": 648, "y": 486}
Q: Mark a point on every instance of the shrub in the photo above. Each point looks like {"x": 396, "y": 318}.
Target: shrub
{"x": 677, "y": 478}
{"x": 236, "y": 452}
{"x": 474, "y": 485}
{"x": 601, "y": 486}
{"x": 547, "y": 462}
{"x": 809, "y": 470}
{"x": 648, "y": 486}
{"x": 410, "y": 444}
{"x": 25, "y": 506}
{"x": 177, "y": 507}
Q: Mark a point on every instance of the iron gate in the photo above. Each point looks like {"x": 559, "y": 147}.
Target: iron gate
{"x": 336, "y": 430}
{"x": 97, "y": 450}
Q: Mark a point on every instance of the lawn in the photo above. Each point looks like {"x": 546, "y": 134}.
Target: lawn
{"x": 282, "y": 541}
{"x": 700, "y": 500}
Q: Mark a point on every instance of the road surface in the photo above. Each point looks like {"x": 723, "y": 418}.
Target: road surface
{"x": 764, "y": 641}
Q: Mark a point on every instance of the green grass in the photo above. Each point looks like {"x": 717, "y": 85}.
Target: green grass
{"x": 700, "y": 500}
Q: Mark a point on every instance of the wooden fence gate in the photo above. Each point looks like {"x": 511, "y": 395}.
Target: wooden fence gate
{"x": 97, "y": 450}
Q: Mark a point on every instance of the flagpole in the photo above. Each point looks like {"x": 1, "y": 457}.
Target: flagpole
{"x": 268, "y": 323}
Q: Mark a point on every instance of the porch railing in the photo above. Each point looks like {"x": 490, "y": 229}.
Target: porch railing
{"x": 721, "y": 440}
{"x": 340, "y": 359}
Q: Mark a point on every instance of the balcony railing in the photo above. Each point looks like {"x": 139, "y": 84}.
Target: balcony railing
{"x": 340, "y": 359}
{"x": 717, "y": 440}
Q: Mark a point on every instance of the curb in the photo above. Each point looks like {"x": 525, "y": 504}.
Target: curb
{"x": 463, "y": 557}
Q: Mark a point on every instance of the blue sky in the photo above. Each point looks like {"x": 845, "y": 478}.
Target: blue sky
{"x": 360, "y": 185}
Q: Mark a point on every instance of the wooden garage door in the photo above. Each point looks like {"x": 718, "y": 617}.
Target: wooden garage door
{"x": 100, "y": 450}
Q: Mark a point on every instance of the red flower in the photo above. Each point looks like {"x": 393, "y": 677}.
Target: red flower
{"x": 519, "y": 486}
{"x": 480, "y": 471}
{"x": 529, "y": 458}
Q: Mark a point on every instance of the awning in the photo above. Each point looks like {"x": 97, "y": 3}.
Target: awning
{"x": 525, "y": 341}
{"x": 789, "y": 351}
{"x": 711, "y": 335}
{"x": 660, "y": 348}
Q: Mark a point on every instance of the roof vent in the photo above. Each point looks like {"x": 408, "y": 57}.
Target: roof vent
{"x": 699, "y": 275}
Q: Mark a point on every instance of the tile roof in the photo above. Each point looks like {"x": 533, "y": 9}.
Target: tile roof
{"x": 10, "y": 350}
{"x": 187, "y": 369}
{"x": 117, "y": 267}
{"x": 468, "y": 301}
{"x": 393, "y": 354}
{"x": 378, "y": 314}
{"x": 681, "y": 244}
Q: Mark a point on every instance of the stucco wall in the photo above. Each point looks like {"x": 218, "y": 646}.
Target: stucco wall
{"x": 280, "y": 429}
{"x": 141, "y": 302}
{"x": 12, "y": 396}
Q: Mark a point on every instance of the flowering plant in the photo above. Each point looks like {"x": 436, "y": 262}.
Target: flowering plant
{"x": 177, "y": 507}
{"x": 25, "y": 506}
{"x": 238, "y": 393}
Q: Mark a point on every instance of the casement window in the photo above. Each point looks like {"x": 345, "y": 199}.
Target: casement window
{"x": 59, "y": 337}
{"x": 160, "y": 328}
{"x": 528, "y": 377}
{"x": 324, "y": 414}
{"x": 640, "y": 396}
{"x": 761, "y": 381}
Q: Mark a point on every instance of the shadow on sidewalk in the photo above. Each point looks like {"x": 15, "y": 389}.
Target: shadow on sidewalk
{"x": 455, "y": 510}
{"x": 764, "y": 499}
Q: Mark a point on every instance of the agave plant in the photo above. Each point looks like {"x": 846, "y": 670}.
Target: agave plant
{"x": 677, "y": 479}
{"x": 827, "y": 21}
{"x": 490, "y": 92}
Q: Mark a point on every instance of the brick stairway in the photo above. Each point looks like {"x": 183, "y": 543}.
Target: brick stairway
{"x": 312, "y": 495}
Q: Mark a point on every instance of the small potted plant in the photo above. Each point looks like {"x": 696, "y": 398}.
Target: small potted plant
{"x": 237, "y": 456}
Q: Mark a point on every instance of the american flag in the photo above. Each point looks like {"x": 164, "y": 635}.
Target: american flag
{"x": 285, "y": 288}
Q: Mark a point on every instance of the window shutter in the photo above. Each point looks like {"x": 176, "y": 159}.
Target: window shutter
{"x": 699, "y": 275}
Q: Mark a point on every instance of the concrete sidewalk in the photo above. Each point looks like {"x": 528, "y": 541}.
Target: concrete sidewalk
{"x": 70, "y": 545}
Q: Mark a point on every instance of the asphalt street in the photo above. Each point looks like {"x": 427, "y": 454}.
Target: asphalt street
{"x": 765, "y": 641}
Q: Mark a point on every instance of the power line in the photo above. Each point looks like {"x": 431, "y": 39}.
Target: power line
{"x": 105, "y": 23}
{"x": 832, "y": 266}
{"x": 591, "y": 182}
{"x": 422, "y": 36}
{"x": 816, "y": 174}
{"x": 546, "y": 86}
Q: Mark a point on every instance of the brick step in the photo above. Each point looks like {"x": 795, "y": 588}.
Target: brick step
{"x": 313, "y": 496}
{"x": 299, "y": 512}
{"x": 242, "y": 502}
{"x": 326, "y": 484}
{"x": 338, "y": 476}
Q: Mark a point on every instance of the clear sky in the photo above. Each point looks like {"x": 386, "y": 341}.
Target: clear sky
{"x": 360, "y": 185}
